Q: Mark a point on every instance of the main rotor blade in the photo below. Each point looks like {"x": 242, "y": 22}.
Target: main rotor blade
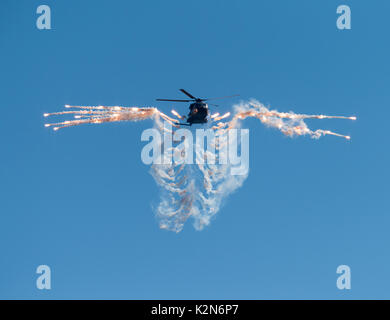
{"x": 173, "y": 100}
{"x": 225, "y": 97}
{"x": 188, "y": 94}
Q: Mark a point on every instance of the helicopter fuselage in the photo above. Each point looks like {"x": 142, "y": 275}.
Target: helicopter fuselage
{"x": 198, "y": 113}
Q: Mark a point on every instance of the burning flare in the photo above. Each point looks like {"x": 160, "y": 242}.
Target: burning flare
{"x": 101, "y": 114}
{"x": 289, "y": 123}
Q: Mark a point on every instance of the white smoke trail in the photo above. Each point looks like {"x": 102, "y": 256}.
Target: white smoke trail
{"x": 289, "y": 123}
{"x": 196, "y": 190}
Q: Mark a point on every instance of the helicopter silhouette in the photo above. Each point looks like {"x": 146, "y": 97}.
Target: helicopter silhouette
{"x": 199, "y": 110}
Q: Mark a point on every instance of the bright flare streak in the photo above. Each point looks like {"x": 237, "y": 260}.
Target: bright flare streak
{"x": 227, "y": 114}
{"x": 289, "y": 123}
{"x": 176, "y": 114}
{"x": 101, "y": 114}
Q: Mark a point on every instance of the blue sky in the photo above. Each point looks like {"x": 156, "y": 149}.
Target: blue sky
{"x": 80, "y": 200}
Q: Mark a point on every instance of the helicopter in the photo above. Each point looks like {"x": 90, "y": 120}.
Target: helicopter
{"x": 199, "y": 110}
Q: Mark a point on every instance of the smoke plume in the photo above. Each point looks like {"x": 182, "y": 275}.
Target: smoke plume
{"x": 198, "y": 190}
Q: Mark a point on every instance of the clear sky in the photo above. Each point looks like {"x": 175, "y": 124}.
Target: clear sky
{"x": 80, "y": 200}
